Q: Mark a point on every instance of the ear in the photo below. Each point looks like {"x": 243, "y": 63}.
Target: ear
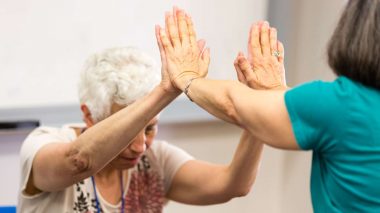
{"x": 87, "y": 118}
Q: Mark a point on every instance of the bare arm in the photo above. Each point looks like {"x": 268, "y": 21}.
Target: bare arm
{"x": 262, "y": 113}
{"x": 202, "y": 183}
{"x": 59, "y": 165}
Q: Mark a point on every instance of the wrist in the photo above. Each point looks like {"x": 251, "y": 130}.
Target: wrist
{"x": 169, "y": 92}
{"x": 187, "y": 87}
{"x": 182, "y": 81}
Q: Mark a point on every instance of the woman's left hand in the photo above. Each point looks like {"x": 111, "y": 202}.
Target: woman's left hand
{"x": 264, "y": 68}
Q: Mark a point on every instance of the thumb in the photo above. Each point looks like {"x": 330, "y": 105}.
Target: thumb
{"x": 205, "y": 61}
{"x": 245, "y": 66}
{"x": 239, "y": 74}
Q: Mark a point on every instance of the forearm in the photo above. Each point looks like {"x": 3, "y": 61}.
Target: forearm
{"x": 242, "y": 171}
{"x": 218, "y": 98}
{"x": 223, "y": 183}
{"x": 262, "y": 113}
{"x": 112, "y": 135}
{"x": 202, "y": 183}
{"x": 98, "y": 145}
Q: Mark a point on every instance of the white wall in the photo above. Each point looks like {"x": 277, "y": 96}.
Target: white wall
{"x": 305, "y": 28}
{"x": 44, "y": 43}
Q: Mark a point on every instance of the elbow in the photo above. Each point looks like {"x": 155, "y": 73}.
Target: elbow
{"x": 79, "y": 162}
{"x": 234, "y": 194}
{"x": 231, "y": 105}
{"x": 231, "y": 112}
{"x": 226, "y": 194}
{"x": 241, "y": 190}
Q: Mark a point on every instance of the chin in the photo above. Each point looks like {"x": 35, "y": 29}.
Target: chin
{"x": 124, "y": 165}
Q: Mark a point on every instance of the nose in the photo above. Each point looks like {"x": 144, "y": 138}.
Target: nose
{"x": 138, "y": 145}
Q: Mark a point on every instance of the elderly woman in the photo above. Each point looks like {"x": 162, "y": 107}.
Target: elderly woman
{"x": 339, "y": 120}
{"x": 113, "y": 163}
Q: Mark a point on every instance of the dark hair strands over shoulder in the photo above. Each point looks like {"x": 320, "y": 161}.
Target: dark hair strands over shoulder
{"x": 354, "y": 48}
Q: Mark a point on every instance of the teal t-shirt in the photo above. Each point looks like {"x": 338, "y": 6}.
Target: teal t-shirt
{"x": 340, "y": 122}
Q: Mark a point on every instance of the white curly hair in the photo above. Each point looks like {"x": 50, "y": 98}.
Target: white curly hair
{"x": 117, "y": 75}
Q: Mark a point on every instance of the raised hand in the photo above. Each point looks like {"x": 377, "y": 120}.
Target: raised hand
{"x": 264, "y": 68}
{"x": 186, "y": 58}
{"x": 166, "y": 84}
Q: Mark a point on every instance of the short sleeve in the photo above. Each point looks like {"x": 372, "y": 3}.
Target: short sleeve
{"x": 170, "y": 158}
{"x": 32, "y": 144}
{"x": 314, "y": 110}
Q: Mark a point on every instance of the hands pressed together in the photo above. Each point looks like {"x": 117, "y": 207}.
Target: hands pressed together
{"x": 185, "y": 58}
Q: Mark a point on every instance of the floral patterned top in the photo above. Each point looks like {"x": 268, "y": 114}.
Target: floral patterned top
{"x": 146, "y": 186}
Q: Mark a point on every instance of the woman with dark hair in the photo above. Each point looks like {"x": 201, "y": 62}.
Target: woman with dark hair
{"x": 339, "y": 121}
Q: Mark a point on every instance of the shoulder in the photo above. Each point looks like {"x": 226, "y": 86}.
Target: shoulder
{"x": 161, "y": 148}
{"x": 163, "y": 154}
{"x": 316, "y": 108}
{"x": 42, "y": 136}
{"x": 166, "y": 159}
{"x": 341, "y": 87}
{"x": 65, "y": 133}
{"x": 320, "y": 96}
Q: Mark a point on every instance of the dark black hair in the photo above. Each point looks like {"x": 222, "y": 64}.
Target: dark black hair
{"x": 354, "y": 48}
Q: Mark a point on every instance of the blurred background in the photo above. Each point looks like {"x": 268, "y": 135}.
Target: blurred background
{"x": 43, "y": 45}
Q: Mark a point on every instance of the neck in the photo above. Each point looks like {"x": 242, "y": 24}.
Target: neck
{"x": 109, "y": 184}
{"x": 107, "y": 174}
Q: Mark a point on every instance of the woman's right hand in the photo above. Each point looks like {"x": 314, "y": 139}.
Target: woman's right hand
{"x": 264, "y": 68}
{"x": 186, "y": 58}
{"x": 166, "y": 84}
